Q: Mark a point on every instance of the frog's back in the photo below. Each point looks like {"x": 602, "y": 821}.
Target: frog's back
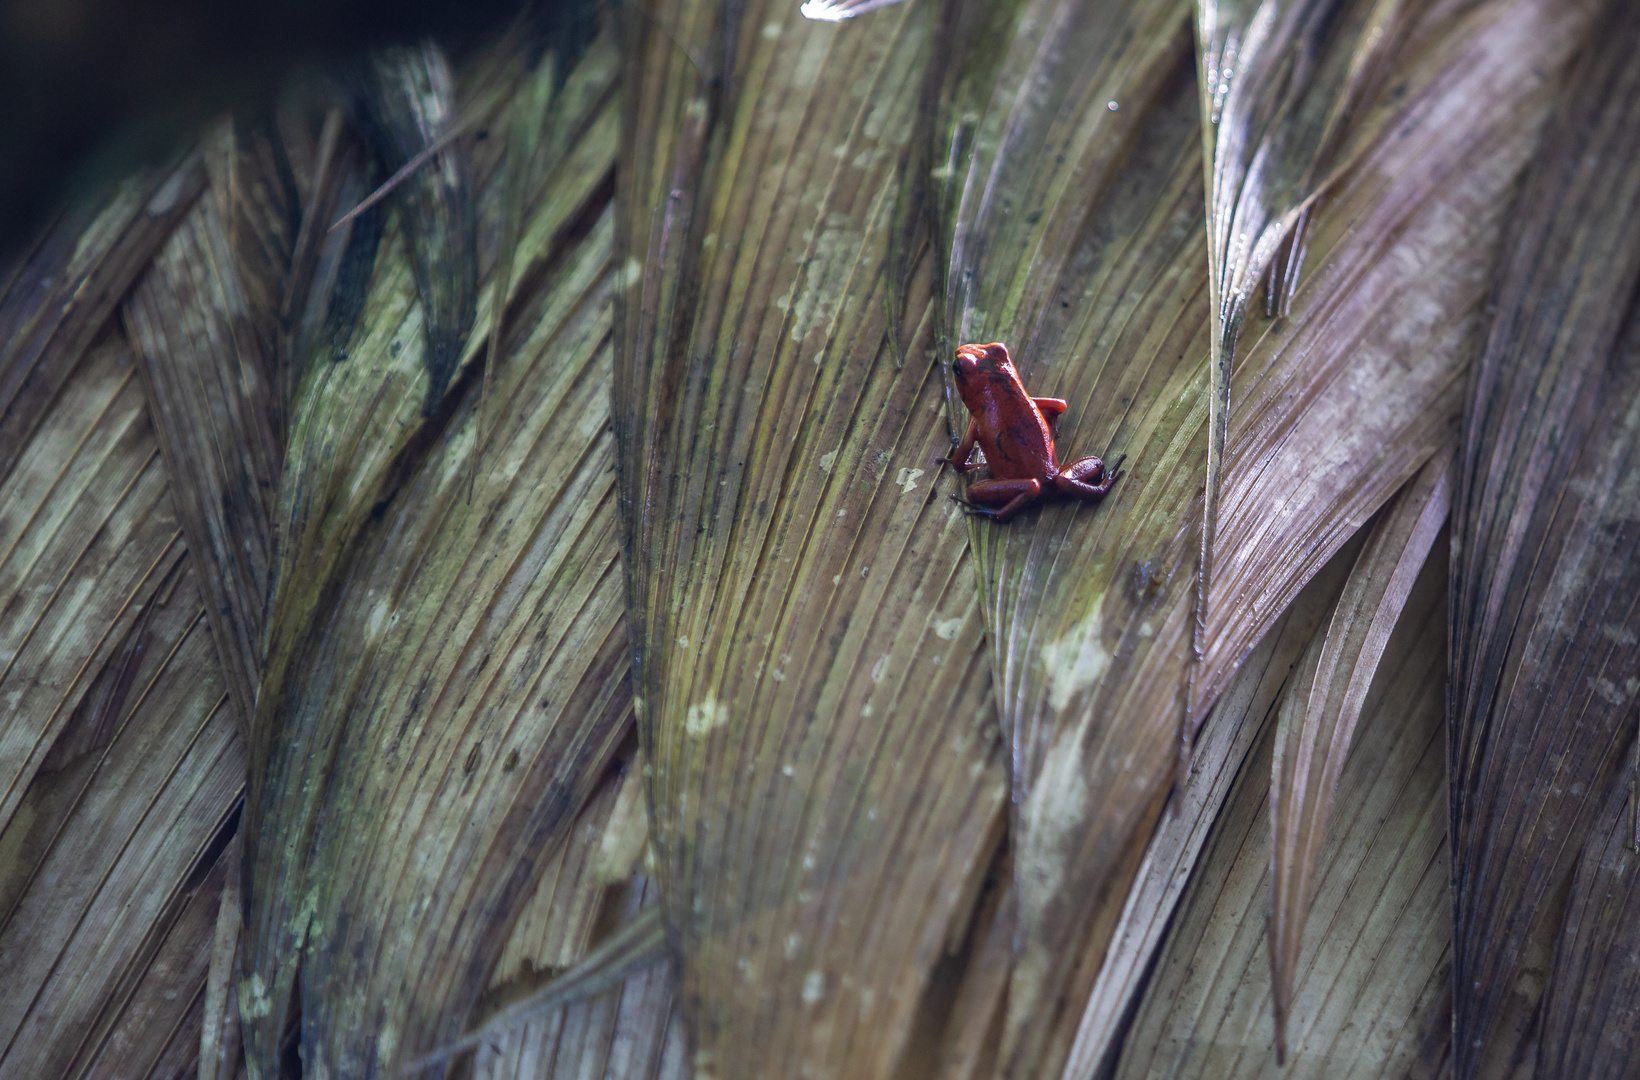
{"x": 1018, "y": 445}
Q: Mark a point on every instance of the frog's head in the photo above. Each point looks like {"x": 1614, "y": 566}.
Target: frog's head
{"x": 977, "y": 365}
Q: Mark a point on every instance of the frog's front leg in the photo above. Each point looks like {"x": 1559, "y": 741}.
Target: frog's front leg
{"x": 965, "y": 449}
{"x": 1014, "y": 495}
{"x": 1050, "y": 407}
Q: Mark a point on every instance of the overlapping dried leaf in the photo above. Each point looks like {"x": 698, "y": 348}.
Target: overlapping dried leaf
{"x": 1341, "y": 403}
{"x": 1238, "y": 724}
{"x": 445, "y": 684}
{"x": 124, "y": 762}
{"x": 1279, "y": 82}
{"x": 1319, "y": 715}
{"x": 445, "y": 678}
{"x": 1371, "y": 987}
{"x": 1546, "y": 593}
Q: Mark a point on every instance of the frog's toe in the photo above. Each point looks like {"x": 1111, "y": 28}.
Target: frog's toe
{"x": 973, "y": 509}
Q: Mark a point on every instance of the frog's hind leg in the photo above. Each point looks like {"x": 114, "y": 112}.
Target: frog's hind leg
{"x": 1071, "y": 482}
{"x": 1014, "y": 495}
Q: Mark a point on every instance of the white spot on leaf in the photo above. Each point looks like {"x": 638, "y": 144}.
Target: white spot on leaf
{"x": 628, "y": 275}
{"x": 704, "y": 717}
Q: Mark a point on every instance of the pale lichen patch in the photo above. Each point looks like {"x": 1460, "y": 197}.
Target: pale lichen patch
{"x": 1077, "y": 660}
{"x": 253, "y": 997}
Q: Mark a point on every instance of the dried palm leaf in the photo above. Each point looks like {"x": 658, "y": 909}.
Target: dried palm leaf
{"x": 158, "y": 1031}
{"x": 1319, "y": 714}
{"x": 827, "y": 786}
{"x": 1279, "y": 81}
{"x": 88, "y": 534}
{"x": 1344, "y": 402}
{"x": 1370, "y": 994}
{"x": 970, "y": 1012}
{"x": 1588, "y": 1026}
{"x": 1247, "y": 707}
{"x": 220, "y": 1050}
{"x": 591, "y": 927}
{"x": 445, "y": 680}
{"x": 112, "y": 861}
{"x": 1545, "y": 672}
{"x": 209, "y": 321}
{"x": 55, "y": 298}
{"x": 524, "y": 1036}
{"x": 206, "y": 351}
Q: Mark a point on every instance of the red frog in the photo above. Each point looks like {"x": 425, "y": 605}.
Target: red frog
{"x": 1011, "y": 427}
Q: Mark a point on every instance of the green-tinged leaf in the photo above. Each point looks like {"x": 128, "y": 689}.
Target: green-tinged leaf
{"x": 526, "y": 125}
{"x": 827, "y": 784}
{"x": 206, "y": 355}
{"x": 406, "y": 104}
{"x": 1049, "y": 137}
{"x": 1546, "y": 573}
{"x": 1341, "y": 403}
{"x": 1370, "y": 996}
{"x": 446, "y": 678}
{"x": 1134, "y": 286}
{"x": 1319, "y": 714}
{"x": 111, "y": 863}
{"x": 1247, "y": 707}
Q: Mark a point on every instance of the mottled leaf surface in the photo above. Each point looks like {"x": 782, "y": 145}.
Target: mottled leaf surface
{"x": 827, "y": 785}
{"x": 446, "y": 677}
